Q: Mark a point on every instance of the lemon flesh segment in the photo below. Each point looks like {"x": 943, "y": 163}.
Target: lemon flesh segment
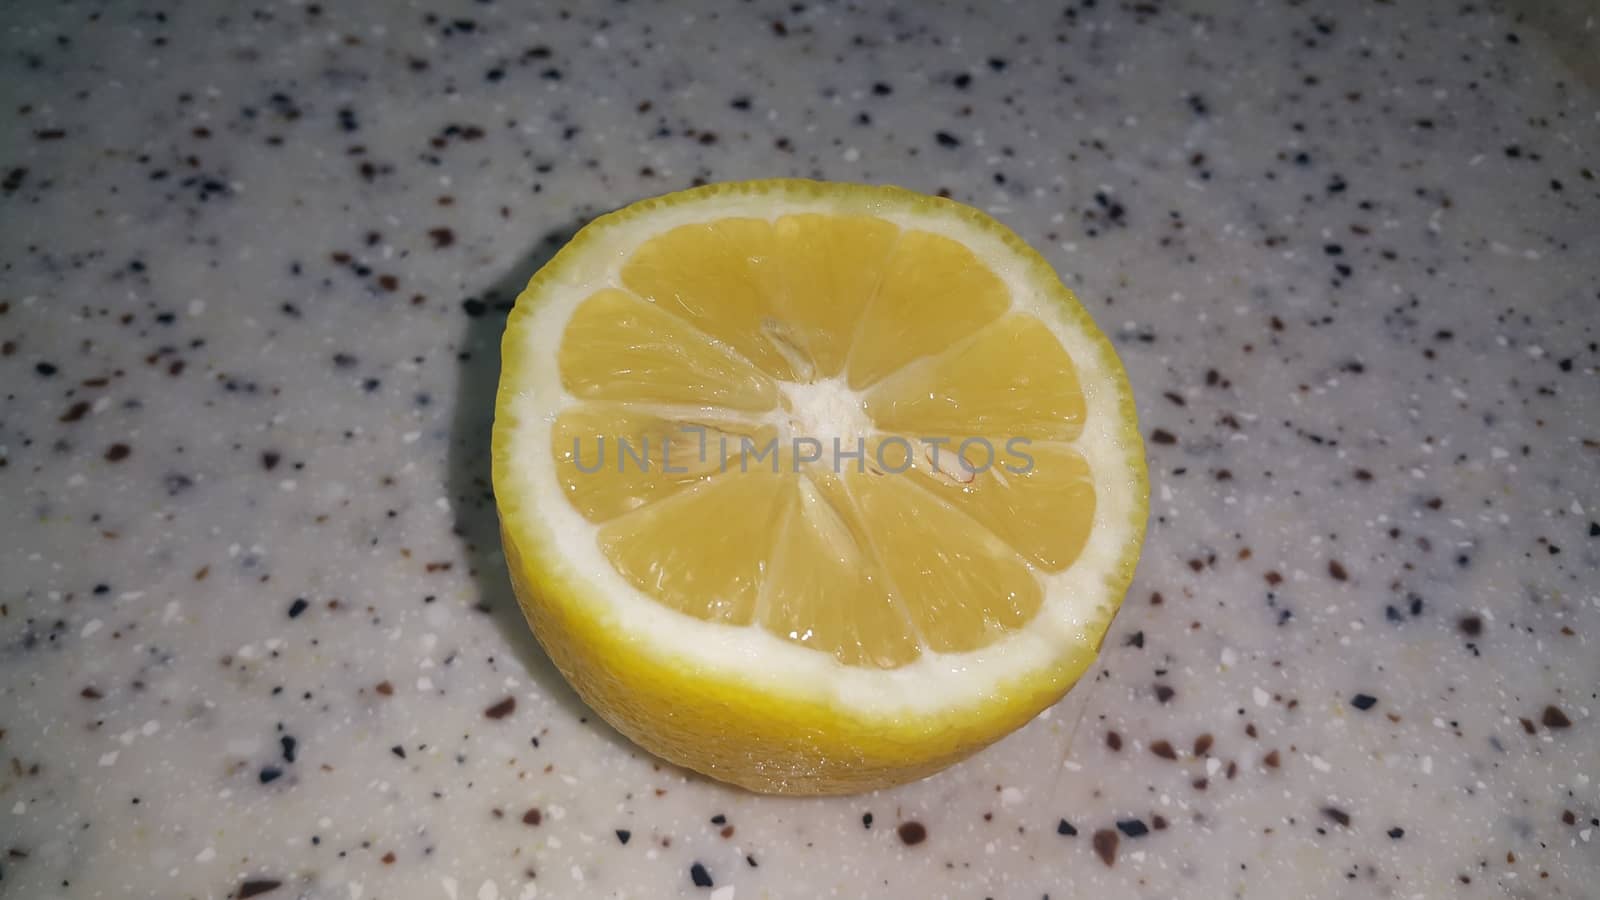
{"x": 934, "y": 292}
{"x": 826, "y": 590}
{"x": 806, "y": 623}
{"x": 1010, "y": 380}
{"x": 829, "y": 267}
{"x": 1039, "y": 500}
{"x": 612, "y": 458}
{"x": 962, "y": 587}
{"x": 711, "y": 570}
{"x": 620, "y": 348}
{"x": 720, "y": 277}
{"x": 786, "y": 294}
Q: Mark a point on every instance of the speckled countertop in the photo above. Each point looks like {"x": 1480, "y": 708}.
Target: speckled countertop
{"x": 256, "y": 636}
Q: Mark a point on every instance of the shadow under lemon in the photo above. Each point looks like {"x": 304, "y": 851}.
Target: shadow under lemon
{"x": 477, "y": 524}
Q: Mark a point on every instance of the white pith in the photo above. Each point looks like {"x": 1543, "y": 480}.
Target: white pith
{"x": 825, "y": 411}
{"x": 1077, "y": 602}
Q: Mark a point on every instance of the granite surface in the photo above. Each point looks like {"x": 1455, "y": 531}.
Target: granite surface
{"x": 256, "y": 636}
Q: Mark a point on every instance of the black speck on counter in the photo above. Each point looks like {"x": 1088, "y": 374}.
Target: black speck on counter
{"x": 699, "y": 875}
{"x": 255, "y": 887}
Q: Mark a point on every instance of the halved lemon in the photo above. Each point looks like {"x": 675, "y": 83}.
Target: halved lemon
{"x": 812, "y": 487}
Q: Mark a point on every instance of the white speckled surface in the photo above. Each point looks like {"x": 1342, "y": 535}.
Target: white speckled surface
{"x": 254, "y": 261}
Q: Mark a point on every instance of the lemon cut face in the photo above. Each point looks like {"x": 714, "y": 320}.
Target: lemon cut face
{"x": 813, "y": 488}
